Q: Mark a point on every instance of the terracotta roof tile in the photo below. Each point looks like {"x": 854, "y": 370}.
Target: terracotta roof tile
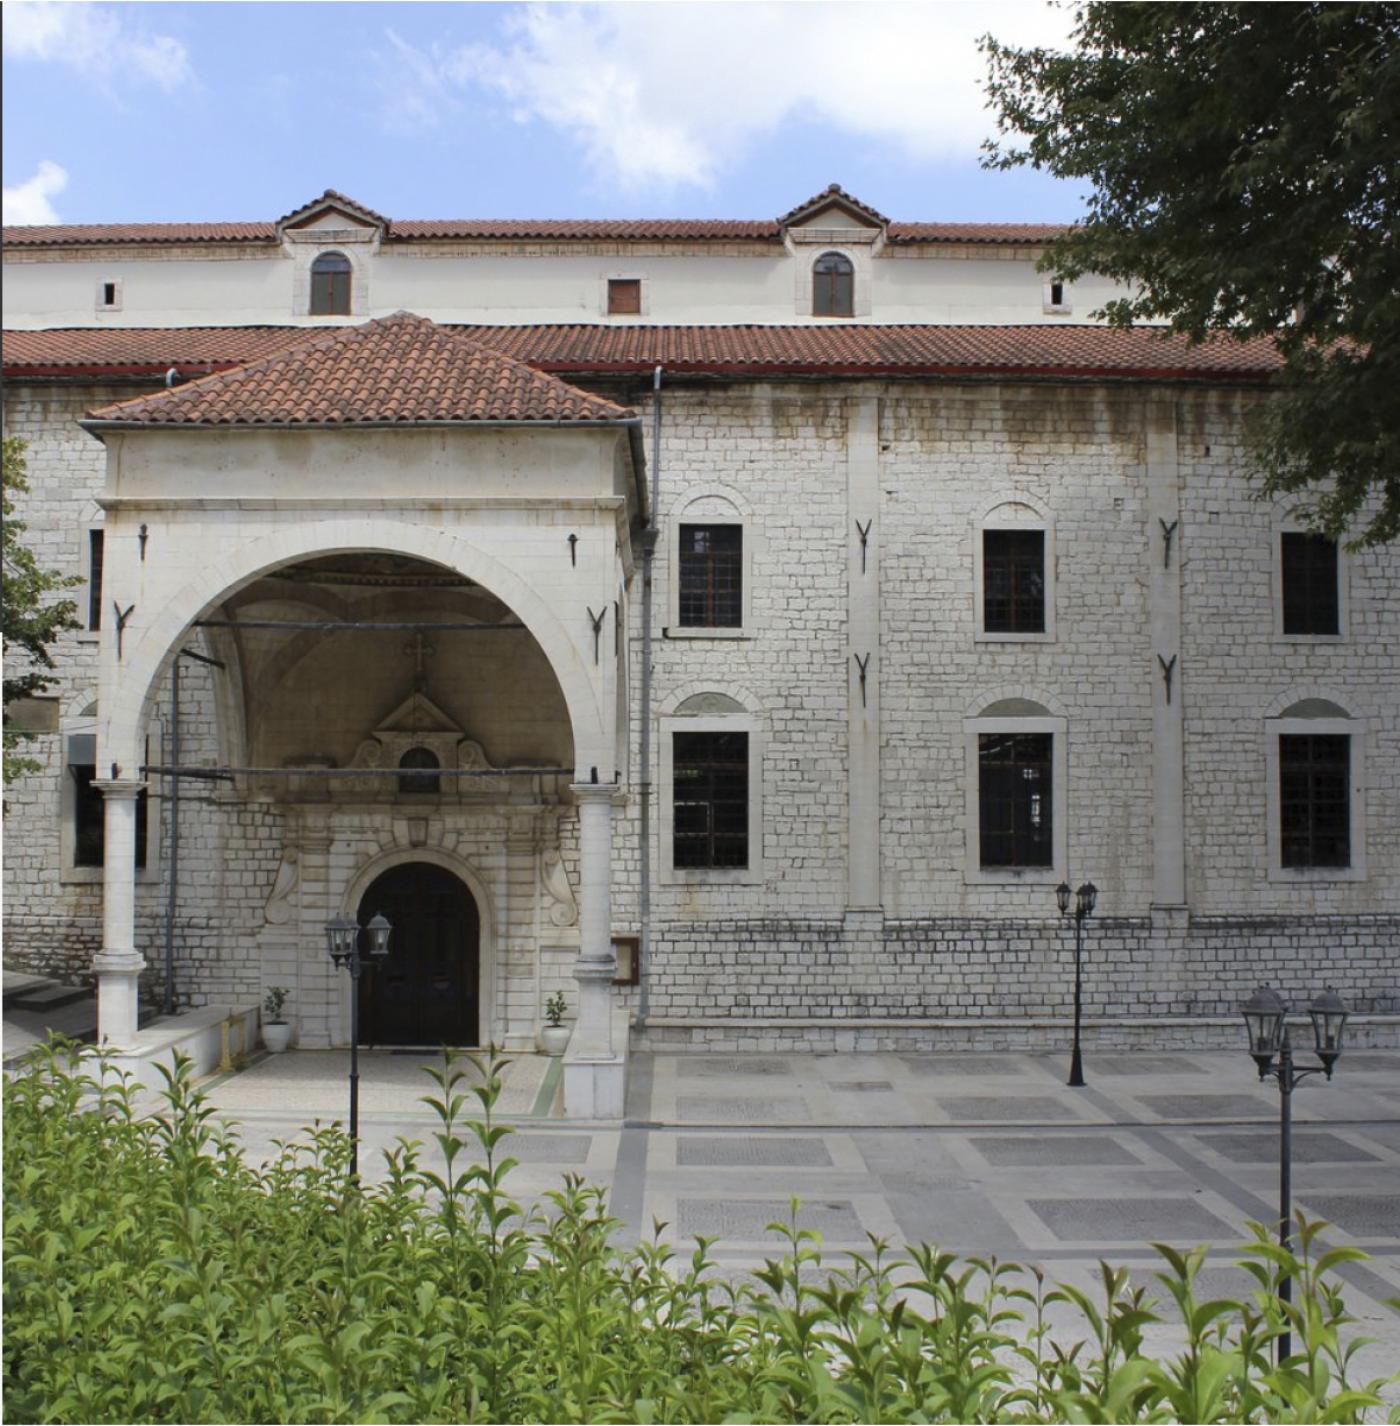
{"x": 864, "y": 349}
{"x": 585, "y": 229}
{"x": 333, "y": 199}
{"x": 833, "y": 193}
{"x": 401, "y": 369}
{"x": 68, "y": 234}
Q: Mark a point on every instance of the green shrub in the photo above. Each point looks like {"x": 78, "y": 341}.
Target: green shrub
{"x": 152, "y": 1275}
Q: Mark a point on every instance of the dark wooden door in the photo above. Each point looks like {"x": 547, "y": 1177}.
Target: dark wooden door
{"x": 424, "y": 992}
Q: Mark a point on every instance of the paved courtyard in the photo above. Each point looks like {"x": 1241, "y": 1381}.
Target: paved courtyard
{"x": 980, "y": 1153}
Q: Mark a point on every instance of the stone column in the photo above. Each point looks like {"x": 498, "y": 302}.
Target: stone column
{"x": 1165, "y": 547}
{"x": 118, "y": 965}
{"x": 593, "y": 1068}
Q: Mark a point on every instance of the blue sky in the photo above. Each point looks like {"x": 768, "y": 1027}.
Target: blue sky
{"x": 168, "y": 112}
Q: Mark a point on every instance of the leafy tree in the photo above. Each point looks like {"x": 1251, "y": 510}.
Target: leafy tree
{"x": 1245, "y": 170}
{"x": 31, "y": 619}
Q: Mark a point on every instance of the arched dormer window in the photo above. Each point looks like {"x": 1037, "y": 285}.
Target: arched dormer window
{"x": 330, "y": 285}
{"x": 833, "y": 286}
{"x": 418, "y": 773}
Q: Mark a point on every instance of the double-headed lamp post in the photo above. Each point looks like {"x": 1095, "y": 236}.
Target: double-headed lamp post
{"x": 1272, "y": 1049}
{"x": 1084, "y": 900}
{"x": 343, "y": 942}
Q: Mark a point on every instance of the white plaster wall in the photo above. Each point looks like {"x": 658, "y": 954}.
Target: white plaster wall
{"x": 530, "y": 283}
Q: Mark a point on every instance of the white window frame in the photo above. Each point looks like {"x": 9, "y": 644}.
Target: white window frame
{"x": 1353, "y": 728}
{"x": 631, "y": 276}
{"x": 1003, "y": 516}
{"x": 1291, "y": 525}
{"x": 974, "y": 873}
{"x": 730, "y": 515}
{"x": 814, "y": 243}
{"x": 99, "y": 302}
{"x": 1050, "y": 307}
{"x": 71, "y": 874}
{"x": 671, "y": 874}
{"x": 357, "y": 245}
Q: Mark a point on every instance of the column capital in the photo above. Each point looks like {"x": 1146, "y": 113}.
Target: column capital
{"x": 595, "y": 791}
{"x": 120, "y": 788}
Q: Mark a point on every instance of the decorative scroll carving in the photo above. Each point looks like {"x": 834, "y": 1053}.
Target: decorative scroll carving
{"x": 279, "y": 909}
{"x": 563, "y": 908}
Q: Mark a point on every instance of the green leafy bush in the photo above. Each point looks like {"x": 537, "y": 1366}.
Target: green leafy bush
{"x": 152, "y": 1275}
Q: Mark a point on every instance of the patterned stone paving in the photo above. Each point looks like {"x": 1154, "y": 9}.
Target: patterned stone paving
{"x": 982, "y": 1154}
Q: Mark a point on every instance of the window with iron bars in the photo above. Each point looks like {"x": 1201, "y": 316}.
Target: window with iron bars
{"x": 711, "y": 576}
{"x": 710, "y": 799}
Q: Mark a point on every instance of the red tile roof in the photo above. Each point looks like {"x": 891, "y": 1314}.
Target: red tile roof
{"x": 401, "y": 369}
{"x": 833, "y": 195}
{"x": 581, "y": 349}
{"x": 68, "y": 234}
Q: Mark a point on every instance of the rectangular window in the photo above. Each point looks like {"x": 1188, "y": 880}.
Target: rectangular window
{"x": 89, "y": 820}
{"x": 1314, "y": 799}
{"x": 711, "y": 576}
{"x": 1013, "y": 581}
{"x": 95, "y": 544}
{"x": 710, "y": 799}
{"x": 1309, "y": 583}
{"x": 1014, "y": 791}
{"x": 625, "y": 296}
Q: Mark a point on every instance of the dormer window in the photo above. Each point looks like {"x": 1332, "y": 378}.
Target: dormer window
{"x": 330, "y": 285}
{"x": 833, "y": 286}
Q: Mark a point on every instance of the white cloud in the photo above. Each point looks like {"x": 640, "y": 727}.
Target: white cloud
{"x": 28, "y": 202}
{"x": 98, "y": 41}
{"x": 671, "y": 93}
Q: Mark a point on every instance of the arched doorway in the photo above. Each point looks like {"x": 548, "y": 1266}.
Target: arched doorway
{"x": 426, "y": 990}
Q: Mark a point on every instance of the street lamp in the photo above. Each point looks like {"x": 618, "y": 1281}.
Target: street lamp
{"x": 343, "y": 942}
{"x": 1084, "y": 900}
{"x": 1264, "y": 1014}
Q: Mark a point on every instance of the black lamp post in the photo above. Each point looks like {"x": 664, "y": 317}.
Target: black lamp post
{"x": 343, "y": 942}
{"x": 1084, "y": 900}
{"x": 1272, "y": 1050}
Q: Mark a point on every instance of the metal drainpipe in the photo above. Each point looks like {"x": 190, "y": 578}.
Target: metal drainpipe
{"x": 649, "y": 537}
{"x": 174, "y": 800}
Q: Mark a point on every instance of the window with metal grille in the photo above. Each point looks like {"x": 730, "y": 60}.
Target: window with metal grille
{"x": 420, "y": 779}
{"x": 625, "y": 295}
{"x": 89, "y": 817}
{"x": 95, "y": 549}
{"x": 710, "y": 799}
{"x": 1309, "y": 583}
{"x": 833, "y": 286}
{"x": 1314, "y": 799}
{"x": 711, "y": 576}
{"x": 1013, "y": 581}
{"x": 1014, "y": 794}
{"x": 330, "y": 285}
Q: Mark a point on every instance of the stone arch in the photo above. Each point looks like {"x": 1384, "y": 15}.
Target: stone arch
{"x": 151, "y": 651}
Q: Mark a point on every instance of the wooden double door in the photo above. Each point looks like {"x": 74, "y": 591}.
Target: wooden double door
{"x": 426, "y": 990}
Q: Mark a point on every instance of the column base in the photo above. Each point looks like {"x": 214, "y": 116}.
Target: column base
{"x": 118, "y": 994}
{"x": 594, "y": 1088}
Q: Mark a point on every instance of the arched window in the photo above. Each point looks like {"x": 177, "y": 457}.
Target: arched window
{"x": 833, "y": 286}
{"x": 330, "y": 285}
{"x": 419, "y": 780}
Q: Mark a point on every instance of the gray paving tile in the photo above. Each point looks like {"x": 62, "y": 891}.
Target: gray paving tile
{"x": 1363, "y": 1215}
{"x": 862, "y": 1086}
{"x": 566, "y": 1150}
{"x": 1143, "y": 1065}
{"x": 1204, "y": 1106}
{"x": 1018, "y": 1108}
{"x": 723, "y": 1109}
{"x": 1370, "y": 1062}
{"x": 731, "y": 1067}
{"x": 1308, "y": 1148}
{"x": 962, "y": 1065}
{"x": 748, "y": 1219}
{"x": 1052, "y": 1150}
{"x": 733, "y": 1150}
{"x": 1092, "y": 1220}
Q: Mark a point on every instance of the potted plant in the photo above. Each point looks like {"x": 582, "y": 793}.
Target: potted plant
{"x": 554, "y": 1035}
{"x": 276, "y": 1032}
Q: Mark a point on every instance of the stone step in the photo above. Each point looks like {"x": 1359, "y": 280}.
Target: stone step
{"x": 49, "y": 996}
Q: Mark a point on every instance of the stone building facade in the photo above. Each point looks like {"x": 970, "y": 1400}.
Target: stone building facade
{"x": 786, "y": 608}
